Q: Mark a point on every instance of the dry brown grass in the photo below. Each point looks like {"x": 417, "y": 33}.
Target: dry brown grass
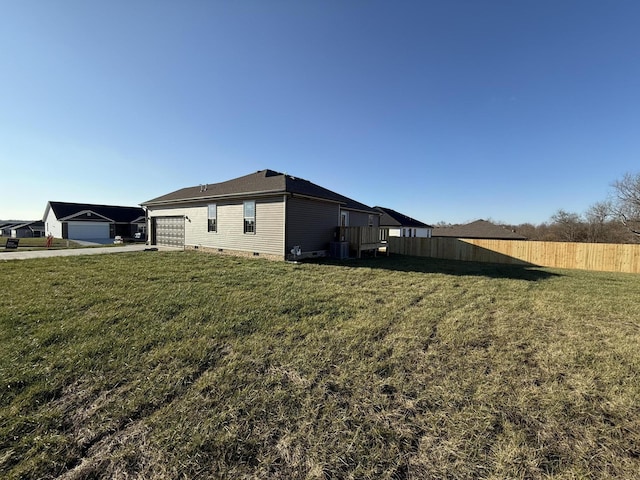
{"x": 183, "y": 365}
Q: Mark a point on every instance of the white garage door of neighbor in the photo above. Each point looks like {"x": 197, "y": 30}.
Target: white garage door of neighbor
{"x": 88, "y": 230}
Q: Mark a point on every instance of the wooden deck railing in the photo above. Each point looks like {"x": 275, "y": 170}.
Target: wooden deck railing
{"x": 364, "y": 238}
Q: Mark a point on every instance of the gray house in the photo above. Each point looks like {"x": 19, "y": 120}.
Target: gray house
{"x": 33, "y": 229}
{"x": 262, "y": 214}
{"x": 7, "y": 226}
{"x": 401, "y": 225}
{"x": 480, "y": 229}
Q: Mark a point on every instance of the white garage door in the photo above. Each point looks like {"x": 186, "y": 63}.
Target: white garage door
{"x": 88, "y": 230}
{"x": 169, "y": 231}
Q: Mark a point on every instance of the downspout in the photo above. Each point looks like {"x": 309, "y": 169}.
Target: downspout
{"x": 284, "y": 230}
{"x": 148, "y": 227}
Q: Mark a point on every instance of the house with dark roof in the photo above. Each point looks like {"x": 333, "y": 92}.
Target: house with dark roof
{"x": 84, "y": 221}
{"x": 401, "y": 225}
{"x": 266, "y": 213}
{"x": 33, "y": 229}
{"x": 7, "y": 225}
{"x": 478, "y": 229}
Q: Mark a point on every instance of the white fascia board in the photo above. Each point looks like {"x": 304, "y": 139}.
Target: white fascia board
{"x": 46, "y": 211}
{"x": 71, "y": 217}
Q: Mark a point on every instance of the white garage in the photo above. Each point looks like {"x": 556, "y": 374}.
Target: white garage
{"x": 84, "y": 221}
{"x": 88, "y": 230}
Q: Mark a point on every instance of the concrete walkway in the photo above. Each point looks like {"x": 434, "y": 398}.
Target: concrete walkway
{"x": 68, "y": 252}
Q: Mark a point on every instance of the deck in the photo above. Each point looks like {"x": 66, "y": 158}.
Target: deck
{"x": 363, "y": 239}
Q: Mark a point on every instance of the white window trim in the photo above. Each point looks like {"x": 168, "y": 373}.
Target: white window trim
{"x": 250, "y": 219}
{"x": 215, "y": 217}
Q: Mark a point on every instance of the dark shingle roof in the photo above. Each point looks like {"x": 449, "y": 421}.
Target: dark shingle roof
{"x": 391, "y": 218}
{"x": 32, "y": 224}
{"x": 478, "y": 229}
{"x": 112, "y": 212}
{"x": 11, "y": 223}
{"x": 261, "y": 182}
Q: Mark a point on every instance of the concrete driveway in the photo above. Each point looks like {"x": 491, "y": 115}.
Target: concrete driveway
{"x": 27, "y": 254}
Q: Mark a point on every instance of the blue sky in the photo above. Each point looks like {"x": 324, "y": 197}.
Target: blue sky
{"x": 445, "y": 110}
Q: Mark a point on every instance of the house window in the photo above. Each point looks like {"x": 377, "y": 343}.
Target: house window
{"x": 250, "y": 216}
{"x": 212, "y": 215}
{"x": 371, "y": 220}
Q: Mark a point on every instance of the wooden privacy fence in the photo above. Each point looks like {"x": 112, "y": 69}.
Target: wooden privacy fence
{"x": 608, "y": 257}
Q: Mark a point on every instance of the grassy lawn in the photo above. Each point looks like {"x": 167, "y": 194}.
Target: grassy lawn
{"x": 187, "y": 365}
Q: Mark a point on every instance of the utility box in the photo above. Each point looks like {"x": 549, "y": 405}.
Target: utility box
{"x": 339, "y": 250}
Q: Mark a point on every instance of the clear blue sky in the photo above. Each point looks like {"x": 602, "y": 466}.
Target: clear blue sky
{"x": 445, "y": 110}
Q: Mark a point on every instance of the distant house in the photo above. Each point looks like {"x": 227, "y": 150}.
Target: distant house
{"x": 264, "y": 213}
{"x": 478, "y": 229}
{"x": 6, "y": 226}
{"x": 401, "y": 225}
{"x": 34, "y": 229}
{"x": 83, "y": 221}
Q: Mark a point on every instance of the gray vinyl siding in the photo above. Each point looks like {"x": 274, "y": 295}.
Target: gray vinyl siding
{"x": 311, "y": 224}
{"x": 361, "y": 219}
{"x": 269, "y": 236}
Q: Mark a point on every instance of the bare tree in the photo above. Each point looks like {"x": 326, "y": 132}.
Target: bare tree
{"x": 568, "y": 227}
{"x": 526, "y": 229}
{"x": 598, "y": 217}
{"x": 627, "y": 201}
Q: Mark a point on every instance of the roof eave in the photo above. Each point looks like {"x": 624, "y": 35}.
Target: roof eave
{"x": 370, "y": 212}
{"x": 311, "y": 197}
{"x": 265, "y": 193}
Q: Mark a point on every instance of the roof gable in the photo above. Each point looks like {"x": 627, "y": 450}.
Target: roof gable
{"x": 89, "y": 215}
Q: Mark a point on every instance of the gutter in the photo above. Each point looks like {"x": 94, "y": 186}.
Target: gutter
{"x": 260, "y": 194}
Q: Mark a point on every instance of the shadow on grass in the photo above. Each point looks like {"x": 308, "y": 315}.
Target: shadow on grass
{"x": 405, "y": 263}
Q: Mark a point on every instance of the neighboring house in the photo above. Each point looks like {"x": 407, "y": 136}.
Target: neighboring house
{"x": 83, "y": 221}
{"x": 6, "y": 226}
{"x": 265, "y": 213}
{"x": 478, "y": 229}
{"x": 401, "y": 225}
{"x": 34, "y": 229}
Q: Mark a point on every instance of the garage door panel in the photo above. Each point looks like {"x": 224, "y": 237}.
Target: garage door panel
{"x": 88, "y": 230}
{"x": 170, "y": 231}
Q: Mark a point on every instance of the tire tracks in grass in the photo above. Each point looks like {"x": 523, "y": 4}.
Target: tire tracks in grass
{"x": 97, "y": 450}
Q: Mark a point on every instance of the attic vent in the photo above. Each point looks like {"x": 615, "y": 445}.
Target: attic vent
{"x": 203, "y": 188}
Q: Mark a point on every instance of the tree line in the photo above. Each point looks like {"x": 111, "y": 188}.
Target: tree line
{"x": 615, "y": 220}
